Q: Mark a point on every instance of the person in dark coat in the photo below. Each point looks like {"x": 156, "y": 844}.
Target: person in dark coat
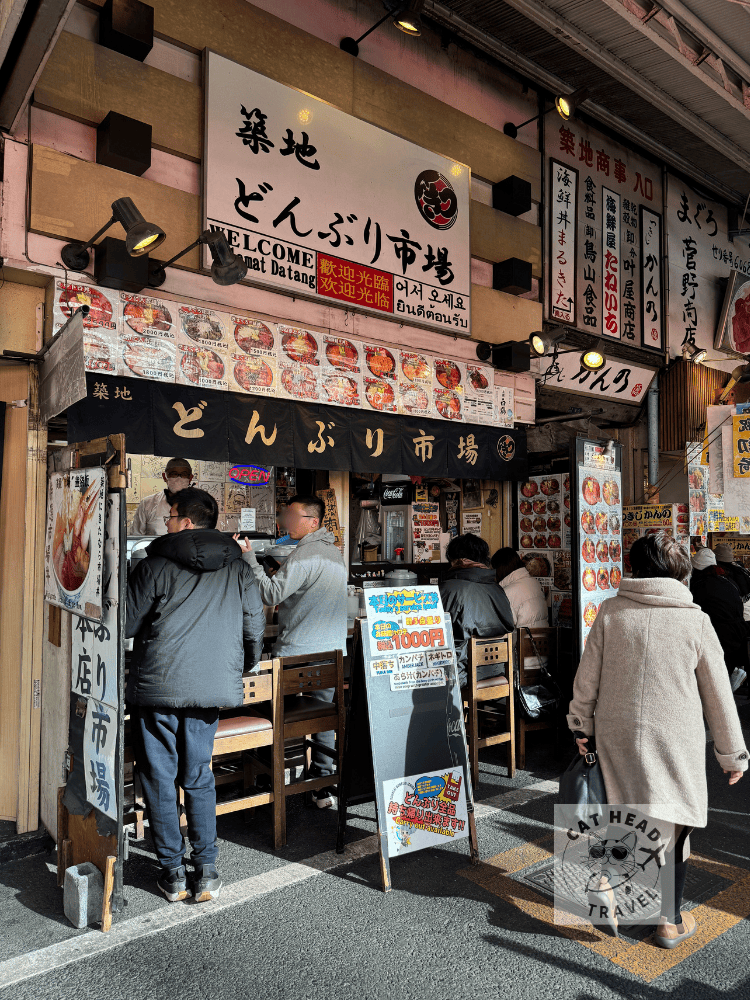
{"x": 472, "y": 597}
{"x": 195, "y": 612}
{"x": 719, "y": 597}
{"x": 738, "y": 574}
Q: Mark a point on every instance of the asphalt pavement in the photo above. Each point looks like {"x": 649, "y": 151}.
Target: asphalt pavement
{"x": 308, "y": 923}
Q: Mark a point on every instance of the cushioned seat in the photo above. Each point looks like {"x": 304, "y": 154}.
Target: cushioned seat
{"x": 490, "y": 682}
{"x": 240, "y": 724}
{"x": 304, "y": 707}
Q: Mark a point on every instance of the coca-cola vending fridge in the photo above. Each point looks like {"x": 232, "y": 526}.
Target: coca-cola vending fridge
{"x": 395, "y": 519}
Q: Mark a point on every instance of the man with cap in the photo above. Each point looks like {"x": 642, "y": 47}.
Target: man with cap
{"x": 149, "y": 517}
{"x": 738, "y": 574}
{"x": 719, "y": 598}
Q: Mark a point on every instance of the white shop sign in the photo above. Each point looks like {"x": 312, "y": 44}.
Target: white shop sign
{"x": 701, "y": 257}
{"x": 619, "y": 380}
{"x": 322, "y": 204}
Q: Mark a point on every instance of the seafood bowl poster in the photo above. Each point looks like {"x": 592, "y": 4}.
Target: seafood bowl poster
{"x": 599, "y": 563}
{"x": 425, "y": 810}
{"x": 544, "y": 512}
{"x": 74, "y": 543}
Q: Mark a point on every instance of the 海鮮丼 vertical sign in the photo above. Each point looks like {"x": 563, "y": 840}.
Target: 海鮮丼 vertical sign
{"x": 324, "y": 205}
{"x": 563, "y": 214}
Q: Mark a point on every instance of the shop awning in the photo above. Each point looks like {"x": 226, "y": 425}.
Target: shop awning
{"x": 167, "y": 419}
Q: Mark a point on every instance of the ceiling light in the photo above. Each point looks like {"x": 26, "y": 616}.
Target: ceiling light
{"x": 543, "y": 344}
{"x": 594, "y": 359}
{"x": 140, "y": 238}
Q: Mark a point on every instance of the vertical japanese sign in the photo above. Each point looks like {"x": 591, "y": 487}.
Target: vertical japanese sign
{"x": 698, "y": 490}
{"x": 322, "y": 204}
{"x": 651, "y": 284}
{"x": 701, "y": 257}
{"x": 563, "y": 231}
{"x": 741, "y": 447}
{"x": 608, "y": 243}
{"x": 612, "y": 263}
{"x": 74, "y": 541}
{"x": 94, "y": 676}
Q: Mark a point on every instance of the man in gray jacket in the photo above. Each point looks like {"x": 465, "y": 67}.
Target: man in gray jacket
{"x": 310, "y": 590}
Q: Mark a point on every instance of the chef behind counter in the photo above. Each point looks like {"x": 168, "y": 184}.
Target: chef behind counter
{"x": 149, "y": 518}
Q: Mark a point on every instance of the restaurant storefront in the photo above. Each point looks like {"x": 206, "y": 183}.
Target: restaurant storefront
{"x": 345, "y": 352}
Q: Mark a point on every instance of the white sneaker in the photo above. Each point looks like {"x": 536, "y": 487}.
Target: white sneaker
{"x": 323, "y": 798}
{"x": 737, "y": 678}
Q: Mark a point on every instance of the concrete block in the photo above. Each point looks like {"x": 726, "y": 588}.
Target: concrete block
{"x": 83, "y": 894}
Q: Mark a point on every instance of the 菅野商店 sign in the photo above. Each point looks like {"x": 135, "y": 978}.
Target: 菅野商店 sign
{"x": 322, "y": 204}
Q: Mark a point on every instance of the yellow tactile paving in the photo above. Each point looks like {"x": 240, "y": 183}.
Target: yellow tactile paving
{"x": 642, "y": 958}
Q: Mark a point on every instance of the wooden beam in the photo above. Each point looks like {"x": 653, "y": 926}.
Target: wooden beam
{"x": 71, "y": 199}
{"x": 85, "y": 81}
{"x": 498, "y": 317}
{"x": 254, "y": 38}
{"x": 496, "y": 236}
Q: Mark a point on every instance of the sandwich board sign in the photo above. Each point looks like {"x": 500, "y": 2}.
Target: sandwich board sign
{"x": 419, "y": 775}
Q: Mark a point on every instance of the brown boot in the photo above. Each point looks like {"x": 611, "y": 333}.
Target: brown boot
{"x": 670, "y": 935}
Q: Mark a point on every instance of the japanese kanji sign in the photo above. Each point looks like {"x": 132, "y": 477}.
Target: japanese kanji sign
{"x": 741, "y": 446}
{"x": 322, "y": 204}
{"x": 605, "y": 270}
{"x": 618, "y": 380}
{"x": 701, "y": 257}
{"x": 563, "y": 215}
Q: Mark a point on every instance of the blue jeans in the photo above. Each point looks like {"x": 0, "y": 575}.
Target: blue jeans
{"x": 174, "y": 748}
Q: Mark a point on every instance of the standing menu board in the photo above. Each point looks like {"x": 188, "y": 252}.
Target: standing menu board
{"x": 597, "y": 530}
{"x": 422, "y": 783}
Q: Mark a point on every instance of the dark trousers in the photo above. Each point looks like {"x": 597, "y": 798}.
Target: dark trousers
{"x": 174, "y": 748}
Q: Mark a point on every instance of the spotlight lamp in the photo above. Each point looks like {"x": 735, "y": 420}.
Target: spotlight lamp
{"x": 407, "y": 18}
{"x": 140, "y": 236}
{"x": 227, "y": 268}
{"x": 594, "y": 359}
{"x": 691, "y": 352}
{"x": 543, "y": 344}
{"x": 404, "y": 14}
{"x": 566, "y": 105}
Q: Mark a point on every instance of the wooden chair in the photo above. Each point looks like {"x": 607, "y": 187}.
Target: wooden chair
{"x": 305, "y": 717}
{"x": 544, "y": 646}
{"x": 240, "y": 731}
{"x": 499, "y": 653}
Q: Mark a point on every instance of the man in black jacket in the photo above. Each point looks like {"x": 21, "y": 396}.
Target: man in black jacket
{"x": 197, "y": 618}
{"x": 474, "y": 599}
{"x": 718, "y": 595}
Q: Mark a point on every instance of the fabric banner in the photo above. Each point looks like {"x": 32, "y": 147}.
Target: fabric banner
{"x": 321, "y": 437}
{"x": 167, "y": 420}
{"x": 114, "y": 406}
{"x": 375, "y": 441}
{"x": 423, "y": 448}
{"x": 190, "y": 422}
{"x": 260, "y": 431}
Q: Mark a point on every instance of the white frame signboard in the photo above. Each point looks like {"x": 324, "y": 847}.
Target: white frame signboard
{"x": 323, "y": 205}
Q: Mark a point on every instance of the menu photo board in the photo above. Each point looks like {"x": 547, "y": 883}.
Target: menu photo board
{"x": 74, "y": 541}
{"x": 649, "y": 519}
{"x": 597, "y": 531}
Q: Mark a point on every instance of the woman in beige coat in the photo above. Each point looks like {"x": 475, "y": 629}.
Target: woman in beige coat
{"x": 652, "y": 668}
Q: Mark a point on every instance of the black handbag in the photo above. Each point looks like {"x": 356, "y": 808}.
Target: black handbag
{"x": 537, "y": 701}
{"x": 582, "y": 795}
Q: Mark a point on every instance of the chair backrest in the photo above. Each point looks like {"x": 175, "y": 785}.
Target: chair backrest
{"x": 495, "y": 651}
{"x": 540, "y": 645}
{"x": 258, "y": 687}
{"x": 303, "y": 674}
